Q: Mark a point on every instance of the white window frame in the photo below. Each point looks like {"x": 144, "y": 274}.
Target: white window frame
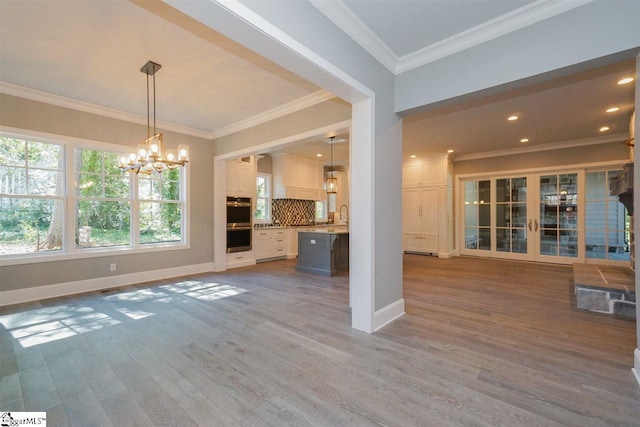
{"x": 69, "y": 251}
{"x": 268, "y": 199}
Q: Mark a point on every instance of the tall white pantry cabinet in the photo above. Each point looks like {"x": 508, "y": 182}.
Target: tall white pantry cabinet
{"x": 427, "y": 206}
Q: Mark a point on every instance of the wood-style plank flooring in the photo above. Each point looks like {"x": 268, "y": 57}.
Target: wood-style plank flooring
{"x": 483, "y": 343}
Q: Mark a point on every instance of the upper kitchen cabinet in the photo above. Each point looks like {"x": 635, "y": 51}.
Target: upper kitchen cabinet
{"x": 434, "y": 170}
{"x": 241, "y": 177}
{"x": 296, "y": 177}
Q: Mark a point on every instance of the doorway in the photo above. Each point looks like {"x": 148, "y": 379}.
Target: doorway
{"x": 560, "y": 217}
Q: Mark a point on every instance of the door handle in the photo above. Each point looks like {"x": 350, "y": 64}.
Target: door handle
{"x": 536, "y": 228}
{"x": 530, "y": 229}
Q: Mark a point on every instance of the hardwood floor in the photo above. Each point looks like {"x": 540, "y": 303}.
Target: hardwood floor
{"x": 483, "y": 343}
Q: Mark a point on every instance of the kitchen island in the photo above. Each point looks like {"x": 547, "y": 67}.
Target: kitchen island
{"x": 323, "y": 251}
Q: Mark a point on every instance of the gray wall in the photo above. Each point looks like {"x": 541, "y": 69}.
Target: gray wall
{"x": 614, "y": 151}
{"x": 31, "y": 115}
{"x": 560, "y": 45}
{"x": 314, "y": 117}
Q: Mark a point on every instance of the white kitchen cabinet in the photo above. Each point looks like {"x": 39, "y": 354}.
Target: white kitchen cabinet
{"x": 434, "y": 170}
{"x": 420, "y": 219}
{"x": 293, "y": 243}
{"x": 296, "y": 177}
{"x": 270, "y": 243}
{"x": 261, "y": 243}
{"x": 241, "y": 177}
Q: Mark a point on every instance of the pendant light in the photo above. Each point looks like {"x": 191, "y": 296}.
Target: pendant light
{"x": 151, "y": 155}
{"x": 332, "y": 182}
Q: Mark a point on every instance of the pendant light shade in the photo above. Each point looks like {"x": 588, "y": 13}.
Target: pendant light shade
{"x": 332, "y": 181}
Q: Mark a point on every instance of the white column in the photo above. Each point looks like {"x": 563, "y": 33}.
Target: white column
{"x": 636, "y": 221}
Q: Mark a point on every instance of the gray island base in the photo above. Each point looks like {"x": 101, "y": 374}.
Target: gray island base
{"x": 323, "y": 252}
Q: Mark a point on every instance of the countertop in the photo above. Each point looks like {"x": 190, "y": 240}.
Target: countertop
{"x": 327, "y": 230}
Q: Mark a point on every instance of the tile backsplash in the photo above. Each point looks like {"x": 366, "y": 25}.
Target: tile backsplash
{"x": 286, "y": 212}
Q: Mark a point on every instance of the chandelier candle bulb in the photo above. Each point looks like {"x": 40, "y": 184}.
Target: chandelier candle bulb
{"x": 171, "y": 155}
{"x": 183, "y": 153}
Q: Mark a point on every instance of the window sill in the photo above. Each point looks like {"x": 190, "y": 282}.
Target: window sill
{"x": 35, "y": 258}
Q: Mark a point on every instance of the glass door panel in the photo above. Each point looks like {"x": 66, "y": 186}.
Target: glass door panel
{"x": 511, "y": 215}
{"x": 477, "y": 215}
{"x": 558, "y": 220}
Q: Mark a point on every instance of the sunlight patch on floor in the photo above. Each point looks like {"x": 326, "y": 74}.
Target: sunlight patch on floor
{"x": 54, "y": 323}
{"x": 203, "y": 290}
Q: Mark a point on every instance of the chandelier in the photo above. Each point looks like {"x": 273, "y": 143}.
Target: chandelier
{"x": 151, "y": 155}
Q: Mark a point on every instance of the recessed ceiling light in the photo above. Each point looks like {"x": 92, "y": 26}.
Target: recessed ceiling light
{"x": 524, "y": 140}
{"x": 625, "y": 80}
{"x": 612, "y": 109}
{"x": 512, "y": 118}
{"x": 318, "y": 155}
{"x": 413, "y": 156}
{"x": 604, "y": 128}
{"x": 449, "y": 151}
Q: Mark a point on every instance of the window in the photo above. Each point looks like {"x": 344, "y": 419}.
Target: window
{"x": 103, "y": 205}
{"x": 31, "y": 196}
{"x": 160, "y": 207}
{"x": 321, "y": 210}
{"x": 262, "y": 212}
{"x": 607, "y": 221}
{"x": 71, "y": 198}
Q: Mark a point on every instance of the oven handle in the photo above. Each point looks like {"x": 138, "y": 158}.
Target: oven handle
{"x": 239, "y": 228}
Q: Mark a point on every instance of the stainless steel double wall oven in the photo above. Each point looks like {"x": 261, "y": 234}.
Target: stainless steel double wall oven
{"x": 239, "y": 228}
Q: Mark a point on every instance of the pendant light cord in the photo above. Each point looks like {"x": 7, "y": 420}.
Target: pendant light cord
{"x": 148, "y": 136}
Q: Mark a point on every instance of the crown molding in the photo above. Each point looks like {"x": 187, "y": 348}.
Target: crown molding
{"x": 489, "y": 30}
{"x": 86, "y": 107}
{"x": 61, "y": 101}
{"x": 275, "y": 113}
{"x": 619, "y": 137}
{"x": 342, "y": 16}
{"x": 345, "y": 19}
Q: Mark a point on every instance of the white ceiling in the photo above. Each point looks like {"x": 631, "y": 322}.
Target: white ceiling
{"x": 90, "y": 52}
{"x": 406, "y": 26}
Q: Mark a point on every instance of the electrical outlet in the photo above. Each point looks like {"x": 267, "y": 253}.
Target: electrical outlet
{"x": 112, "y": 267}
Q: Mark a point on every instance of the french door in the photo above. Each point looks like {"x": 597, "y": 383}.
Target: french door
{"x": 527, "y": 217}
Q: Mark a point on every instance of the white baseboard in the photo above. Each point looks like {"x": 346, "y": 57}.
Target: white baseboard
{"x": 388, "y": 314}
{"x": 18, "y": 296}
{"x": 242, "y": 263}
{"x": 636, "y": 368}
{"x": 449, "y": 254}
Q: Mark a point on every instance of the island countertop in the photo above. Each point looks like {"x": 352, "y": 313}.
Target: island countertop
{"x": 326, "y": 230}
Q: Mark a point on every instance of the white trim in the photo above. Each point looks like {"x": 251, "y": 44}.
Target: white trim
{"x": 283, "y": 142}
{"x": 356, "y": 91}
{"x": 349, "y": 22}
{"x": 636, "y": 363}
{"x": 588, "y": 167}
{"x": 449, "y": 254}
{"x": 489, "y": 30}
{"x": 388, "y": 314}
{"x": 69, "y": 251}
{"x": 36, "y": 293}
{"x": 274, "y": 113}
{"x": 242, "y": 263}
{"x": 619, "y": 137}
{"x": 345, "y": 19}
{"x": 74, "y": 104}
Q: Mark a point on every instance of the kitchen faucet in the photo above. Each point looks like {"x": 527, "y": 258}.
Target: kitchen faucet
{"x": 341, "y": 217}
